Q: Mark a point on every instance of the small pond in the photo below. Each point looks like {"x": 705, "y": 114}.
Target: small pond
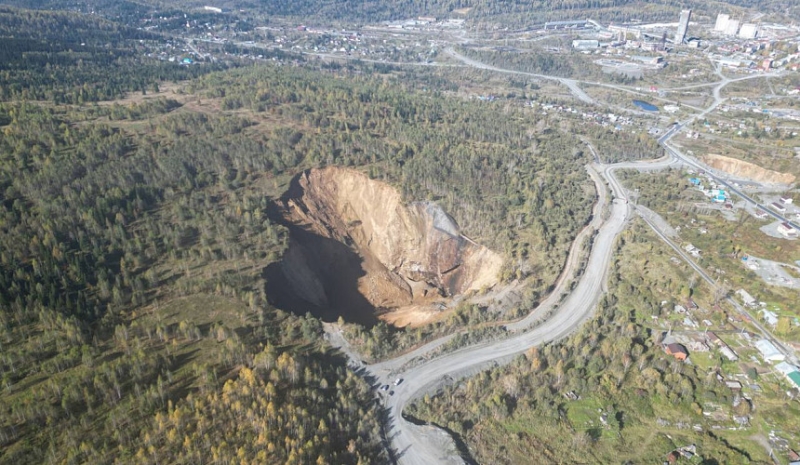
{"x": 645, "y": 106}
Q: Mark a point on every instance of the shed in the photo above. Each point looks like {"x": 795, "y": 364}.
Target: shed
{"x": 734, "y": 385}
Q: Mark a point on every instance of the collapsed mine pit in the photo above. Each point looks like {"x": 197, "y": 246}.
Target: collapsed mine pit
{"x": 357, "y": 251}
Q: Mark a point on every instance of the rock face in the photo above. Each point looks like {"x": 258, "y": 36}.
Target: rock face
{"x": 743, "y": 169}
{"x": 356, "y": 248}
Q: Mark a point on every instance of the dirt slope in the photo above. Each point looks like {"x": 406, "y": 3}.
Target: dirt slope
{"x": 743, "y": 169}
{"x": 357, "y": 248}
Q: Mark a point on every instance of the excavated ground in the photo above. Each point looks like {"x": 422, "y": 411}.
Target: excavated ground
{"x": 743, "y": 169}
{"x": 358, "y": 252}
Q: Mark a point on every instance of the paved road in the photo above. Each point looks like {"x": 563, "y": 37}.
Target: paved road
{"x": 413, "y": 442}
{"x": 427, "y": 445}
{"x": 571, "y": 84}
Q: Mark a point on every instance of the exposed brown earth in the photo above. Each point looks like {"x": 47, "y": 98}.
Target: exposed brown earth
{"x": 743, "y": 169}
{"x": 358, "y": 251}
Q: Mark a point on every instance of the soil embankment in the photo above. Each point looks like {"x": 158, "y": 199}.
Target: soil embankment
{"x": 357, "y": 251}
{"x": 746, "y": 170}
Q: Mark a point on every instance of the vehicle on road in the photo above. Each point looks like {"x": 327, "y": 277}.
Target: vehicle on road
{"x": 398, "y": 381}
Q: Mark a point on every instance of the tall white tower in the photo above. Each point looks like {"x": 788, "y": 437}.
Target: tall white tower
{"x": 683, "y": 26}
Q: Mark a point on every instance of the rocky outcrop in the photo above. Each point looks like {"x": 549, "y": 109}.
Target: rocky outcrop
{"x": 349, "y": 231}
{"x": 746, "y": 170}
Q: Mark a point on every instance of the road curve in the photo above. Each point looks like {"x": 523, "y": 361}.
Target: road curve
{"x": 426, "y": 445}
{"x": 571, "y": 84}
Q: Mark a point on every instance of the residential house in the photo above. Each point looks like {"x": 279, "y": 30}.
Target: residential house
{"x": 777, "y": 207}
{"x": 769, "y": 352}
{"x": 673, "y": 457}
{"x": 677, "y": 350}
{"x": 794, "y": 457}
{"x": 770, "y": 317}
{"x": 794, "y": 377}
{"x": 790, "y": 372}
{"x": 748, "y": 300}
{"x": 728, "y": 353}
{"x": 787, "y": 230}
{"x": 693, "y": 251}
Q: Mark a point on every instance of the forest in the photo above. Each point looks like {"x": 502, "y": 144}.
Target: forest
{"x": 134, "y": 322}
{"x": 65, "y": 58}
{"x": 485, "y": 14}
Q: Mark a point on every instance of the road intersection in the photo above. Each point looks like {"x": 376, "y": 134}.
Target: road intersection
{"x": 554, "y": 319}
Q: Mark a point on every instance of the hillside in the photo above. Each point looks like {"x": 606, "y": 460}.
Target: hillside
{"x": 137, "y": 320}
{"x": 481, "y": 13}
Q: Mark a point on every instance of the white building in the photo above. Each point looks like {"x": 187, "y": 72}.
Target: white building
{"x": 585, "y": 44}
{"x": 786, "y": 230}
{"x": 770, "y": 317}
{"x": 722, "y": 22}
{"x": 748, "y": 31}
{"x": 785, "y": 368}
{"x": 732, "y": 27}
{"x": 777, "y": 207}
{"x": 728, "y": 353}
{"x": 748, "y": 300}
{"x": 212, "y": 9}
{"x": 730, "y": 62}
{"x": 769, "y": 352}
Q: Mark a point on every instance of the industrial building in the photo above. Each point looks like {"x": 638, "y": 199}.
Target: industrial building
{"x": 579, "y": 24}
{"x": 732, "y": 27}
{"x": 722, "y": 22}
{"x": 748, "y": 31}
{"x": 637, "y": 33}
{"x": 683, "y": 26}
{"x": 585, "y": 44}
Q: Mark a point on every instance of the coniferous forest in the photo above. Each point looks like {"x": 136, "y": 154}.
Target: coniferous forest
{"x": 134, "y": 238}
{"x": 148, "y": 150}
